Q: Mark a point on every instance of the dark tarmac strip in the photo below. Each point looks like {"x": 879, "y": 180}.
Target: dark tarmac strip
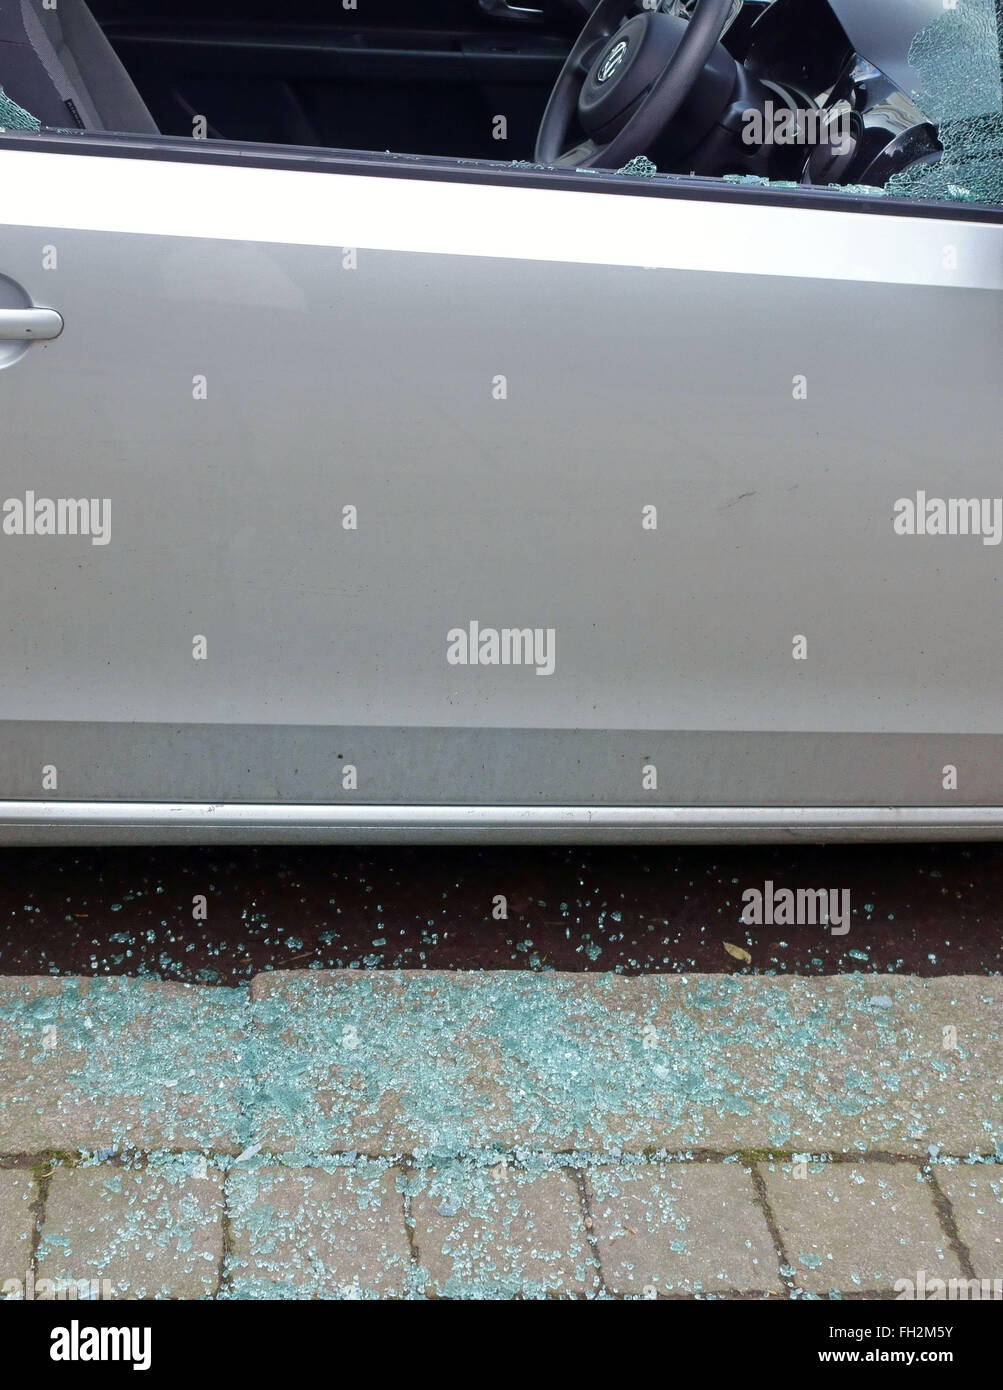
{"x": 915, "y": 909}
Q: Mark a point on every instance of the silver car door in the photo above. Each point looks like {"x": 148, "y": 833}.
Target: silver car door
{"x": 395, "y": 497}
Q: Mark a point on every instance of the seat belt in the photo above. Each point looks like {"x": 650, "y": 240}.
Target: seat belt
{"x": 25, "y": 77}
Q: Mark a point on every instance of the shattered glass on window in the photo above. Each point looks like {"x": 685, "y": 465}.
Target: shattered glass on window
{"x": 14, "y": 117}
{"x": 958, "y": 58}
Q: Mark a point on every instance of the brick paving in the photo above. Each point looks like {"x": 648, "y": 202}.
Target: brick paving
{"x": 385, "y": 1135}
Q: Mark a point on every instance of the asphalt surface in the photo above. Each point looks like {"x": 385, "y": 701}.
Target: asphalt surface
{"x": 915, "y": 909}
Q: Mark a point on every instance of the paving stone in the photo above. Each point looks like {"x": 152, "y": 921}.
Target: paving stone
{"x": 500, "y": 1232}
{"x": 17, "y": 1226}
{"x": 456, "y": 1069}
{"x": 976, "y": 1196}
{"x": 307, "y": 1233}
{"x": 119, "y": 1063}
{"x": 858, "y": 1227}
{"x": 900, "y": 1081}
{"x": 153, "y": 1233}
{"x": 443, "y": 1063}
{"x": 664, "y": 1228}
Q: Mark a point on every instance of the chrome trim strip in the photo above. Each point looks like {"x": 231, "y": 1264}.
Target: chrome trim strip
{"x": 119, "y": 822}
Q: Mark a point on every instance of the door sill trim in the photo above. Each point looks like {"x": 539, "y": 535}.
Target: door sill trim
{"x": 151, "y": 823}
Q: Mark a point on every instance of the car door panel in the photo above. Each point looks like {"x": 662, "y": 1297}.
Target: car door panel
{"x": 500, "y": 380}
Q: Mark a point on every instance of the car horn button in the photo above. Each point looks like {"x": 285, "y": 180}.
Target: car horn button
{"x": 610, "y": 65}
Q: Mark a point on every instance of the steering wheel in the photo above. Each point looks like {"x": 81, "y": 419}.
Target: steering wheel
{"x": 625, "y": 82}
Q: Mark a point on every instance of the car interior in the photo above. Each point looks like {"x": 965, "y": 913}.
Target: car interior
{"x": 482, "y": 80}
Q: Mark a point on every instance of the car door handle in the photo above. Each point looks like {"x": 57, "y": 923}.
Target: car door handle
{"x": 515, "y": 14}
{"x": 25, "y": 325}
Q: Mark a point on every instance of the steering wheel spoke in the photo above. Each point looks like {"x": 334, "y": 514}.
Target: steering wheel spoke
{"x": 586, "y": 56}
{"x": 579, "y": 157}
